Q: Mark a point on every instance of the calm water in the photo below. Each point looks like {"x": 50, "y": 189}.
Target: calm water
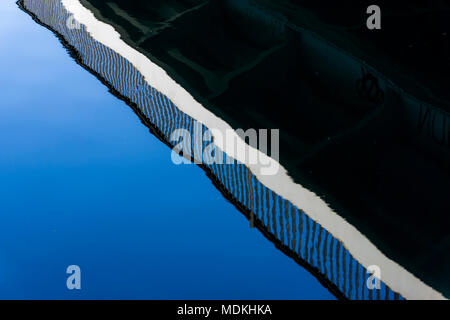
{"x": 85, "y": 183}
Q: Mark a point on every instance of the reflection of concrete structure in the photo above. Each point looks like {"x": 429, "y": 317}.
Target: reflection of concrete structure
{"x": 348, "y": 132}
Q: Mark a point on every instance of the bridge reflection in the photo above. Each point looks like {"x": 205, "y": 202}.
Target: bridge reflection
{"x": 291, "y": 228}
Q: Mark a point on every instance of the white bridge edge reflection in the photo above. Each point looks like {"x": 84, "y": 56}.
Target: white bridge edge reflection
{"x": 394, "y": 275}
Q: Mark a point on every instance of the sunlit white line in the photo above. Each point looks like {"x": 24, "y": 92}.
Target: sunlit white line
{"x": 394, "y": 275}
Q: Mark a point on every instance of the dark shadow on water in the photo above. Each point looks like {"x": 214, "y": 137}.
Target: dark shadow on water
{"x": 376, "y": 155}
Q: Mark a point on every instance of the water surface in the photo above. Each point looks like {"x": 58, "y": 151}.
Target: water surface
{"x": 85, "y": 183}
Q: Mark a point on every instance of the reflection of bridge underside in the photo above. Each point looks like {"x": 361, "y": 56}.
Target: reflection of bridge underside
{"x": 355, "y": 146}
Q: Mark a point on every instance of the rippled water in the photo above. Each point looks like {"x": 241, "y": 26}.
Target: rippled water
{"x": 85, "y": 183}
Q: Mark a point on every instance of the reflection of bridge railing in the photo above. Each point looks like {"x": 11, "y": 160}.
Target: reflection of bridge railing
{"x": 297, "y": 235}
{"x": 287, "y": 226}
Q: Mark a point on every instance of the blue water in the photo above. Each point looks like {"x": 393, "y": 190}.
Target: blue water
{"x": 84, "y": 183}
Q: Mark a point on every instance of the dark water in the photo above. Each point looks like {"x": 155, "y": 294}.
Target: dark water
{"x": 85, "y": 183}
{"x": 378, "y": 159}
